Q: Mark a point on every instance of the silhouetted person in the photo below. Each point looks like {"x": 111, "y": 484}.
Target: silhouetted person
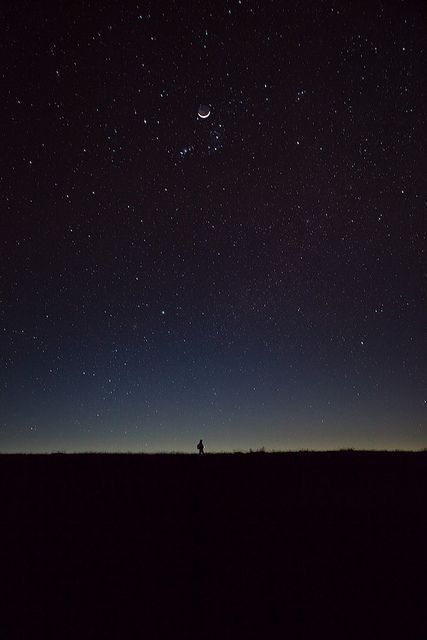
{"x": 201, "y": 448}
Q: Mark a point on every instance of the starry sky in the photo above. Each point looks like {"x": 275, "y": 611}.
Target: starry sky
{"x": 255, "y": 278}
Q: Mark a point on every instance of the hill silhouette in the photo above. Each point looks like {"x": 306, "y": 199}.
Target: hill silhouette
{"x": 224, "y": 546}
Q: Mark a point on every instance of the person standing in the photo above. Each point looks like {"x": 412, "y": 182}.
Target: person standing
{"x": 201, "y": 448}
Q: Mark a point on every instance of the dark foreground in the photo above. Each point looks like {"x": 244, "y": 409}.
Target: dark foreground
{"x": 226, "y": 546}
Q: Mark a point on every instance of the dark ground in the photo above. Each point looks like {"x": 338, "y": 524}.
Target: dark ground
{"x": 296, "y": 545}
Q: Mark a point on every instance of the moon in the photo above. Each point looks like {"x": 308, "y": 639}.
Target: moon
{"x": 204, "y": 111}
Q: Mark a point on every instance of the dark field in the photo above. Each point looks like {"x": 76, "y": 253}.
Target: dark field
{"x": 296, "y": 545}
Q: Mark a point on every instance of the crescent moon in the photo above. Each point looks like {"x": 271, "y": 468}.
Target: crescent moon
{"x": 204, "y": 111}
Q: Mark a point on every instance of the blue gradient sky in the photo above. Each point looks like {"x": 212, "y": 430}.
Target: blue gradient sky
{"x": 255, "y": 278}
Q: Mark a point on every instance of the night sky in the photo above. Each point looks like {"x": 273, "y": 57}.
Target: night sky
{"x": 255, "y": 278}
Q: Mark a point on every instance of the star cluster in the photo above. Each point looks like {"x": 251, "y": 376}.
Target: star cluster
{"x": 255, "y": 278}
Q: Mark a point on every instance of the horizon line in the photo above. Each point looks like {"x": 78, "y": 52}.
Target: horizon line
{"x": 261, "y": 450}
